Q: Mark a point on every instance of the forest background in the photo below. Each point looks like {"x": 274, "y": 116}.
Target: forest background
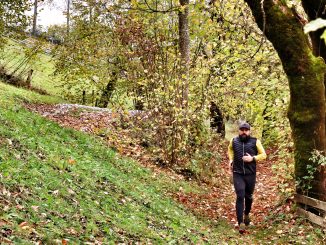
{"x": 177, "y": 76}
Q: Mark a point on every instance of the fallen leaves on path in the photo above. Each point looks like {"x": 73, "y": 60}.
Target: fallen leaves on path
{"x": 219, "y": 201}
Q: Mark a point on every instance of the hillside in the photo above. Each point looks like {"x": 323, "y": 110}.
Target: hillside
{"x": 59, "y": 185}
{"x": 162, "y": 122}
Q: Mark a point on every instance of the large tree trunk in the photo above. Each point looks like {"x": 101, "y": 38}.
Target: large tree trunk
{"x": 305, "y": 73}
{"x": 107, "y": 93}
{"x": 183, "y": 90}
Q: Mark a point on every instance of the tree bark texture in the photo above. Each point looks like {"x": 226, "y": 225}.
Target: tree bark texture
{"x": 68, "y": 17}
{"x": 305, "y": 74}
{"x": 184, "y": 46}
{"x": 107, "y": 92}
{"x": 216, "y": 119}
{"x": 35, "y": 18}
{"x": 182, "y": 91}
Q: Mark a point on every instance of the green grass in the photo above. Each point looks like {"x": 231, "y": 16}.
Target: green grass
{"x": 42, "y": 64}
{"x": 69, "y": 185}
{"x": 11, "y": 96}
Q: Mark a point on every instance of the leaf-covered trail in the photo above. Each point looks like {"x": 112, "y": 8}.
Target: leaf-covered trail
{"x": 217, "y": 202}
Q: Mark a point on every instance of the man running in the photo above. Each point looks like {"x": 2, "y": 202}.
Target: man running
{"x": 244, "y": 151}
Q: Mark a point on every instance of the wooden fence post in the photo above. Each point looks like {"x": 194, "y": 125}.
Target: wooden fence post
{"x": 316, "y": 204}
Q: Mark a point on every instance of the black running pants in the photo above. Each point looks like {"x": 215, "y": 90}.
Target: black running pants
{"x": 244, "y": 186}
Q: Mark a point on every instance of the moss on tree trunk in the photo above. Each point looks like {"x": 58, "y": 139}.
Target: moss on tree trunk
{"x": 305, "y": 74}
{"x": 307, "y": 118}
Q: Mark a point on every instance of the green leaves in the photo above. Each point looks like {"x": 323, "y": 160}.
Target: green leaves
{"x": 13, "y": 16}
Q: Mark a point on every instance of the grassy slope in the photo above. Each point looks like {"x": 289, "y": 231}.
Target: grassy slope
{"x": 68, "y": 185}
{"x": 42, "y": 64}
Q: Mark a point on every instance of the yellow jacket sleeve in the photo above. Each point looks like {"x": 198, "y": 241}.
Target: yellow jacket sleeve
{"x": 261, "y": 152}
{"x": 230, "y": 151}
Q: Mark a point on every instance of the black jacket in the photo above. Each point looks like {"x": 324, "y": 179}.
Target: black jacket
{"x": 240, "y": 149}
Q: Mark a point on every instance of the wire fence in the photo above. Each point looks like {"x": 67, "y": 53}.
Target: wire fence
{"x": 19, "y": 57}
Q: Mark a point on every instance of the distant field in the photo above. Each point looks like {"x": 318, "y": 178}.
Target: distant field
{"x": 14, "y": 53}
{"x": 11, "y": 96}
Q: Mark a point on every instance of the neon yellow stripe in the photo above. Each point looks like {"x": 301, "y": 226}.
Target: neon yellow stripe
{"x": 230, "y": 151}
{"x": 261, "y": 152}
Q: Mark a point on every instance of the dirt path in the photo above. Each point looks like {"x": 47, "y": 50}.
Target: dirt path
{"x": 216, "y": 203}
{"x": 219, "y": 200}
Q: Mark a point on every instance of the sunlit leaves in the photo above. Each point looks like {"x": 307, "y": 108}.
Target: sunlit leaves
{"x": 314, "y": 25}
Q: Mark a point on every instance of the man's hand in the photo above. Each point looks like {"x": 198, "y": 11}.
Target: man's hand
{"x": 230, "y": 167}
{"x": 231, "y": 171}
{"x": 247, "y": 158}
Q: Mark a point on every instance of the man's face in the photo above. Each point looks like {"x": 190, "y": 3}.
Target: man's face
{"x": 244, "y": 132}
